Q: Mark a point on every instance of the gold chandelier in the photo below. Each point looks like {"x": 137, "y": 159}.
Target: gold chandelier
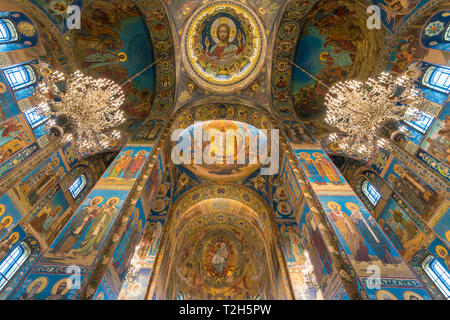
{"x": 83, "y": 109}
{"x": 361, "y": 110}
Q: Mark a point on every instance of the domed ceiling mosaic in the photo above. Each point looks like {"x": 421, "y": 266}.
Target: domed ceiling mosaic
{"x": 223, "y": 44}
{"x": 222, "y": 160}
{"x": 114, "y": 43}
{"x": 334, "y": 45}
{"x": 220, "y": 252}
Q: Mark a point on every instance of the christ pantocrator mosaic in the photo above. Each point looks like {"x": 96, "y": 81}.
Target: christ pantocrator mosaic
{"x": 223, "y": 44}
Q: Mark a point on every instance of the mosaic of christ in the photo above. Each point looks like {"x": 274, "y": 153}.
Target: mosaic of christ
{"x": 223, "y": 46}
{"x": 224, "y": 36}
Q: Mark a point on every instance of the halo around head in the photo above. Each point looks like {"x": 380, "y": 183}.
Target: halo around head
{"x": 351, "y": 205}
{"x": 9, "y": 219}
{"x": 95, "y": 199}
{"x": 333, "y": 203}
{"x": 408, "y": 294}
{"x": 113, "y": 200}
{"x": 68, "y": 287}
{"x": 43, "y": 281}
{"x": 385, "y": 295}
{"x": 217, "y": 23}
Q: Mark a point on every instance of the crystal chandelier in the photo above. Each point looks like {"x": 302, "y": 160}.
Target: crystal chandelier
{"x": 361, "y": 111}
{"x": 83, "y": 109}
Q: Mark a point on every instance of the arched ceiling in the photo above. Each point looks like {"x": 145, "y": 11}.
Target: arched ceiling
{"x": 331, "y": 41}
{"x": 328, "y": 38}
{"x": 220, "y": 157}
{"x": 118, "y": 40}
{"x": 258, "y": 205}
{"x": 221, "y": 237}
{"x": 220, "y": 252}
{"x": 334, "y": 45}
{"x": 114, "y": 43}
{"x": 218, "y": 120}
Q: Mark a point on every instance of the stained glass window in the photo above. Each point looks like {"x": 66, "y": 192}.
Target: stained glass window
{"x": 35, "y": 118}
{"x": 422, "y": 123}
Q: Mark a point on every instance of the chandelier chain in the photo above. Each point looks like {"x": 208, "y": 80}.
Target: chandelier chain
{"x": 311, "y": 75}
{"x": 85, "y": 109}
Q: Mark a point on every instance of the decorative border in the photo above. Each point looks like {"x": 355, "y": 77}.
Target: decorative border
{"x": 249, "y": 75}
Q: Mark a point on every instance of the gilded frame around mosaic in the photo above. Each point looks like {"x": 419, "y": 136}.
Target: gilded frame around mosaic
{"x": 224, "y": 46}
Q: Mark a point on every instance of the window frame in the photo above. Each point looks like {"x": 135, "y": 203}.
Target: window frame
{"x": 430, "y": 74}
{"x": 34, "y": 118}
{"x": 9, "y": 266}
{"x": 429, "y": 265}
{"x": 23, "y": 69}
{"x": 77, "y": 186}
{"x": 416, "y": 123}
{"x": 373, "y": 195}
{"x": 10, "y": 28}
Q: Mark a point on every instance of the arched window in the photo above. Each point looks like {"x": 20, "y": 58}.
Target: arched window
{"x": 35, "y": 118}
{"x": 8, "y": 32}
{"x": 437, "y": 78}
{"x": 77, "y": 186}
{"x": 12, "y": 262}
{"x": 370, "y": 192}
{"x": 437, "y": 273}
{"x": 20, "y": 76}
{"x": 447, "y": 33}
{"x": 422, "y": 123}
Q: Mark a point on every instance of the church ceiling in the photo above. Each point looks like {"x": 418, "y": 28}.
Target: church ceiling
{"x": 222, "y": 237}
{"x": 222, "y": 111}
{"x": 220, "y": 153}
{"x": 223, "y": 46}
{"x": 328, "y": 39}
{"x": 206, "y": 64}
{"x": 334, "y": 45}
{"x": 220, "y": 251}
{"x": 221, "y": 65}
{"x": 114, "y": 43}
{"x": 244, "y": 122}
{"x": 231, "y": 191}
{"x": 403, "y": 52}
{"x": 119, "y": 38}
